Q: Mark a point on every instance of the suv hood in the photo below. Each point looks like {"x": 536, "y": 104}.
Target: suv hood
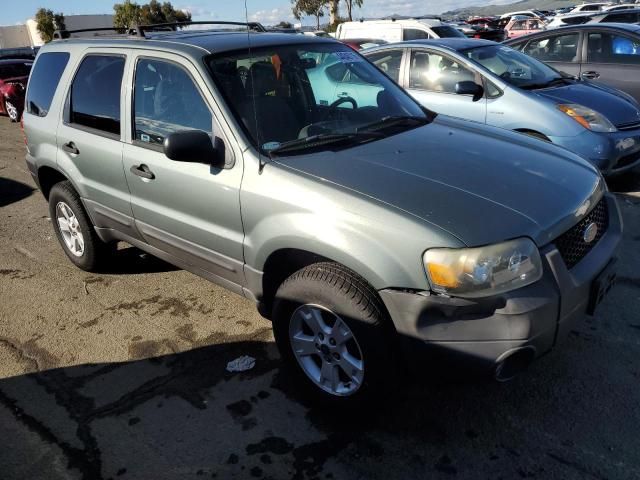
{"x": 481, "y": 184}
{"x": 617, "y": 108}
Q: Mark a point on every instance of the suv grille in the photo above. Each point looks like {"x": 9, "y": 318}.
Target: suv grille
{"x": 571, "y": 244}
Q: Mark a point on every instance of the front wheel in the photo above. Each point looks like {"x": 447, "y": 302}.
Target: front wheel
{"x": 12, "y": 111}
{"x": 332, "y": 330}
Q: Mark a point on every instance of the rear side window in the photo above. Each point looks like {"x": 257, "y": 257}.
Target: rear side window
{"x": 608, "y": 48}
{"x": 413, "y": 34}
{"x": 44, "y": 81}
{"x": 95, "y": 93}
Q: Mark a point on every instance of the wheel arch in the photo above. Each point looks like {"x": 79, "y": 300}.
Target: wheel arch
{"x": 48, "y": 177}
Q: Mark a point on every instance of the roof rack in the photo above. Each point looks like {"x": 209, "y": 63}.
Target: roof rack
{"x": 140, "y": 30}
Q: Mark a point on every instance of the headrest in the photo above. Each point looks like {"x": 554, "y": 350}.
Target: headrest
{"x": 261, "y": 80}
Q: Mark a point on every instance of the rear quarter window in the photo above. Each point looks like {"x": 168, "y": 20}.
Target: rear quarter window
{"x": 44, "y": 82}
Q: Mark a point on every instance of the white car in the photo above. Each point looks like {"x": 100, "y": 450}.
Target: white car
{"x": 524, "y": 13}
{"x": 620, "y": 6}
{"x": 397, "y": 30}
{"x": 590, "y": 7}
{"x": 570, "y": 19}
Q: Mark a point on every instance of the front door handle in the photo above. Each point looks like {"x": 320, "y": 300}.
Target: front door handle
{"x": 70, "y": 147}
{"x": 142, "y": 171}
{"x": 591, "y": 75}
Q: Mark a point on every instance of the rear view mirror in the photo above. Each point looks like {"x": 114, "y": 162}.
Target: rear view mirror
{"x": 194, "y": 146}
{"x": 470, "y": 88}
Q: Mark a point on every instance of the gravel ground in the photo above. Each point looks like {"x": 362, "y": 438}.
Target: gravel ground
{"x": 122, "y": 375}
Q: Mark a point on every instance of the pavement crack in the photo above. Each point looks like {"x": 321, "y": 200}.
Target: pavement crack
{"x": 76, "y": 458}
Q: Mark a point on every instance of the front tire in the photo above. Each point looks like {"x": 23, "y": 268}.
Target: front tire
{"x": 334, "y": 334}
{"x": 74, "y": 228}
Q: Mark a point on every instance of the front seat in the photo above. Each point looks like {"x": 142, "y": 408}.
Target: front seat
{"x": 268, "y": 117}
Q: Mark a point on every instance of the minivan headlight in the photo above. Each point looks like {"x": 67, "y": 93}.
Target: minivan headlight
{"x": 588, "y": 118}
{"x": 483, "y": 271}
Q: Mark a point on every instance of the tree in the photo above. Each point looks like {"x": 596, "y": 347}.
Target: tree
{"x": 284, "y": 24}
{"x": 350, "y": 5}
{"x": 48, "y": 22}
{"x": 129, "y": 14}
{"x": 155, "y": 12}
{"x": 311, "y": 8}
{"x": 334, "y": 12}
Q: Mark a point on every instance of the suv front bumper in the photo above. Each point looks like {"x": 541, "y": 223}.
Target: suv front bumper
{"x": 477, "y": 335}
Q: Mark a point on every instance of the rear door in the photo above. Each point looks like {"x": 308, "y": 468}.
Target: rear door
{"x": 613, "y": 59}
{"x": 431, "y": 78}
{"x": 189, "y": 210}
{"x": 90, "y": 137}
{"x": 560, "y": 50}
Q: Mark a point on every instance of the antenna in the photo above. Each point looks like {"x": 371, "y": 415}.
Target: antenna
{"x": 253, "y": 93}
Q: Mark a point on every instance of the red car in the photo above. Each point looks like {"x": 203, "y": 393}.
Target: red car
{"x": 13, "y": 83}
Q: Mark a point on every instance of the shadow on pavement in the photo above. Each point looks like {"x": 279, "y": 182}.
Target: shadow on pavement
{"x": 131, "y": 260}
{"x": 12, "y": 191}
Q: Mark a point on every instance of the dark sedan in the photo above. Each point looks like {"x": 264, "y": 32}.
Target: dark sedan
{"x": 13, "y": 82}
{"x": 607, "y": 53}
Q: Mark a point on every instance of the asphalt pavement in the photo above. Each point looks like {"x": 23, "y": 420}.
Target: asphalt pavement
{"x": 122, "y": 375}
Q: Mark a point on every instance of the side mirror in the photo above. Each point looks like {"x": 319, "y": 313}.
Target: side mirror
{"x": 470, "y": 88}
{"x": 194, "y": 146}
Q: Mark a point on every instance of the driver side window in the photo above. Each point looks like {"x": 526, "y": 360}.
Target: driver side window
{"x": 167, "y": 100}
{"x": 438, "y": 73}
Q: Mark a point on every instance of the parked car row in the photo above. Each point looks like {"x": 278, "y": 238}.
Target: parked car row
{"x": 376, "y": 234}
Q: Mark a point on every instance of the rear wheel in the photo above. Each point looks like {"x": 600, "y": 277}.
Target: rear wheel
{"x": 74, "y": 228}
{"x": 332, "y": 331}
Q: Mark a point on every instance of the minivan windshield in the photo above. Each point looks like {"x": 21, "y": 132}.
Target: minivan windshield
{"x": 294, "y": 98}
{"x": 514, "y": 67}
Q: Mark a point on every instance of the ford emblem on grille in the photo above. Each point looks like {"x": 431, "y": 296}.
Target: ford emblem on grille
{"x": 590, "y": 233}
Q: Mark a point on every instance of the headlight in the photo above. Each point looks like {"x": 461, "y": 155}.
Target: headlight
{"x": 588, "y": 118}
{"x": 483, "y": 271}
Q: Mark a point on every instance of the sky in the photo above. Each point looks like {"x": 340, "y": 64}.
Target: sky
{"x": 266, "y": 11}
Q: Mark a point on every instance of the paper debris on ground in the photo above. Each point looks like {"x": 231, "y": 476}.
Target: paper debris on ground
{"x": 241, "y": 364}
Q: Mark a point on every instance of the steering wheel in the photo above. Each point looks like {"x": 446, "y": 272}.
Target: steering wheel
{"x": 332, "y": 108}
{"x": 505, "y": 75}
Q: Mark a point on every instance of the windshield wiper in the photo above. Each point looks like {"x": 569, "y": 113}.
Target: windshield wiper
{"x": 395, "y": 121}
{"x": 550, "y": 83}
{"x": 322, "y": 140}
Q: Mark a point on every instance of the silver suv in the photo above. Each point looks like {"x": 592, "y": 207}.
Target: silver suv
{"x": 372, "y": 232}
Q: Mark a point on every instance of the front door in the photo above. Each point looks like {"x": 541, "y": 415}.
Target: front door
{"x": 432, "y": 80}
{"x": 189, "y": 210}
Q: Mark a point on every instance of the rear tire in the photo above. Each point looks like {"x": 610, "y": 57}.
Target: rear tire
{"x": 334, "y": 334}
{"x": 74, "y": 228}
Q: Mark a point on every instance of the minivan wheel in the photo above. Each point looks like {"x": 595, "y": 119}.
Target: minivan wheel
{"x": 12, "y": 111}
{"x": 74, "y": 229}
{"x": 332, "y": 331}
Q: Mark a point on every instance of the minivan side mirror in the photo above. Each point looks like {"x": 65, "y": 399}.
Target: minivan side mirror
{"x": 470, "y": 88}
{"x": 194, "y": 146}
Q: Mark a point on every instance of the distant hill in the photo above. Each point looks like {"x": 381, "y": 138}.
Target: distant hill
{"x": 500, "y": 9}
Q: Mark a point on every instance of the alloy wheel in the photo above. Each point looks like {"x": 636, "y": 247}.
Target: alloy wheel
{"x": 327, "y": 350}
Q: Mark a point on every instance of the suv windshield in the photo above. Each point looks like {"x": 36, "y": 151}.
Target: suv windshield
{"x": 514, "y": 67}
{"x": 323, "y": 95}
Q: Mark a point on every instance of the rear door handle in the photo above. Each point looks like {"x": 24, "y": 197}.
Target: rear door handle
{"x": 590, "y": 75}
{"x": 70, "y": 147}
{"x": 142, "y": 171}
